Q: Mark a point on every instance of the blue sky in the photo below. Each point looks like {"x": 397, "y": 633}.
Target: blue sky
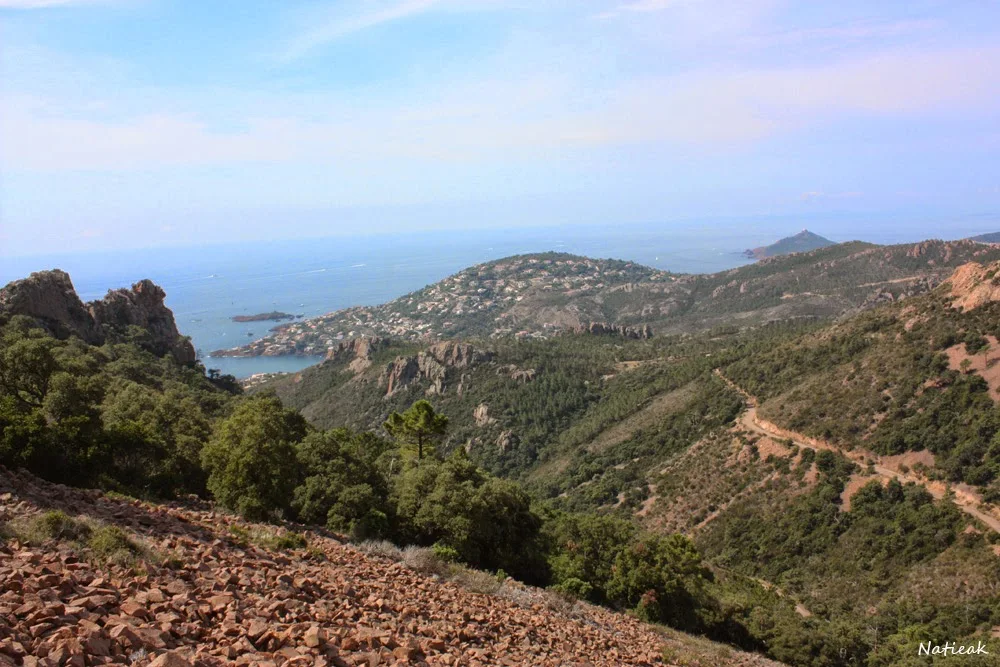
{"x": 137, "y": 123}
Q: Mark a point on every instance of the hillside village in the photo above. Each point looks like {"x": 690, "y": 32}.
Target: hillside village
{"x": 479, "y": 297}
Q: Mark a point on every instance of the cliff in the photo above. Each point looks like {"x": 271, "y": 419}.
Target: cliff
{"x": 50, "y": 298}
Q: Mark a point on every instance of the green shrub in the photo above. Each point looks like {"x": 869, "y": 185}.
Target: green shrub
{"x": 267, "y": 539}
{"x": 662, "y": 578}
{"x": 342, "y": 485}
{"x": 114, "y": 546}
{"x": 446, "y": 553}
{"x": 251, "y": 457}
{"x": 574, "y": 587}
{"x": 289, "y": 541}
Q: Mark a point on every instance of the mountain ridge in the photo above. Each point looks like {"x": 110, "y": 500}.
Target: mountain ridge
{"x": 541, "y": 294}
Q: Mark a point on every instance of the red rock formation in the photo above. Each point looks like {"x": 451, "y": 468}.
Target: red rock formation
{"x": 49, "y": 298}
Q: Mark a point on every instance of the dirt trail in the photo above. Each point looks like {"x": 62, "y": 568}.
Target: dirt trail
{"x": 964, "y": 500}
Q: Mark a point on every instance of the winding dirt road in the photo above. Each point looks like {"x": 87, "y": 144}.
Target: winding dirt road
{"x": 965, "y": 501}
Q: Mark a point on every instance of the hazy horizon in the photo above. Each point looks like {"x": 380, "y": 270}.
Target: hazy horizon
{"x": 142, "y": 123}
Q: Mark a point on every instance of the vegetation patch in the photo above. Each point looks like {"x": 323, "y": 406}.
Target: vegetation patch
{"x": 267, "y": 538}
{"x": 112, "y": 545}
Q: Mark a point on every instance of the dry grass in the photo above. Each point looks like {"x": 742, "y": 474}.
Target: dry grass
{"x": 381, "y": 548}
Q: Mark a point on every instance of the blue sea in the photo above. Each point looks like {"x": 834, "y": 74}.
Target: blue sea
{"x": 206, "y": 286}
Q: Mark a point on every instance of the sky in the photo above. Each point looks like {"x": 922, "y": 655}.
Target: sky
{"x": 141, "y": 123}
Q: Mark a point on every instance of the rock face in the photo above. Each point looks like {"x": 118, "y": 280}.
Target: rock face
{"x": 49, "y": 298}
{"x": 399, "y": 374}
{"x": 604, "y": 329}
{"x": 432, "y": 365}
{"x": 359, "y": 349}
{"x": 973, "y": 285}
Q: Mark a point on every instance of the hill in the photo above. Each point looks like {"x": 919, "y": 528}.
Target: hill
{"x": 849, "y": 466}
{"x": 540, "y": 295}
{"x": 993, "y": 237}
{"x": 914, "y": 377}
{"x": 804, "y": 241}
{"x": 93, "y": 579}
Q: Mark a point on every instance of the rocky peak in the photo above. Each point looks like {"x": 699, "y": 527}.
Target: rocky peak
{"x": 50, "y": 298}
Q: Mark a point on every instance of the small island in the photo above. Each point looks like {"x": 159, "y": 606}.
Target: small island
{"x": 273, "y": 316}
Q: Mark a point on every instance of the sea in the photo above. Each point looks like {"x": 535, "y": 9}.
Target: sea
{"x": 207, "y": 285}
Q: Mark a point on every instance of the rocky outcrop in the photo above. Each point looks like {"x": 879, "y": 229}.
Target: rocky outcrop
{"x": 49, "y": 298}
{"x": 359, "y": 350}
{"x": 482, "y": 415}
{"x": 506, "y": 441}
{"x": 399, "y": 374}
{"x": 143, "y": 306}
{"x": 641, "y": 332}
{"x": 974, "y": 285}
{"x": 432, "y": 365}
{"x": 517, "y": 374}
{"x": 453, "y": 354}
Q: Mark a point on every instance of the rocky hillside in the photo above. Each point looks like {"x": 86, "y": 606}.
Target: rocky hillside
{"x": 804, "y": 241}
{"x": 974, "y": 285}
{"x": 89, "y": 579}
{"x": 50, "y": 298}
{"x": 920, "y": 376}
{"x": 539, "y": 295}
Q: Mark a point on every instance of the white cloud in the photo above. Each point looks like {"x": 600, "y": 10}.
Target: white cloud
{"x": 509, "y": 118}
{"x": 334, "y": 28}
{"x": 856, "y": 31}
{"x": 643, "y": 7}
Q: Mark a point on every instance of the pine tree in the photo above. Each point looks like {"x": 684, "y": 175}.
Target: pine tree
{"x": 419, "y": 426}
